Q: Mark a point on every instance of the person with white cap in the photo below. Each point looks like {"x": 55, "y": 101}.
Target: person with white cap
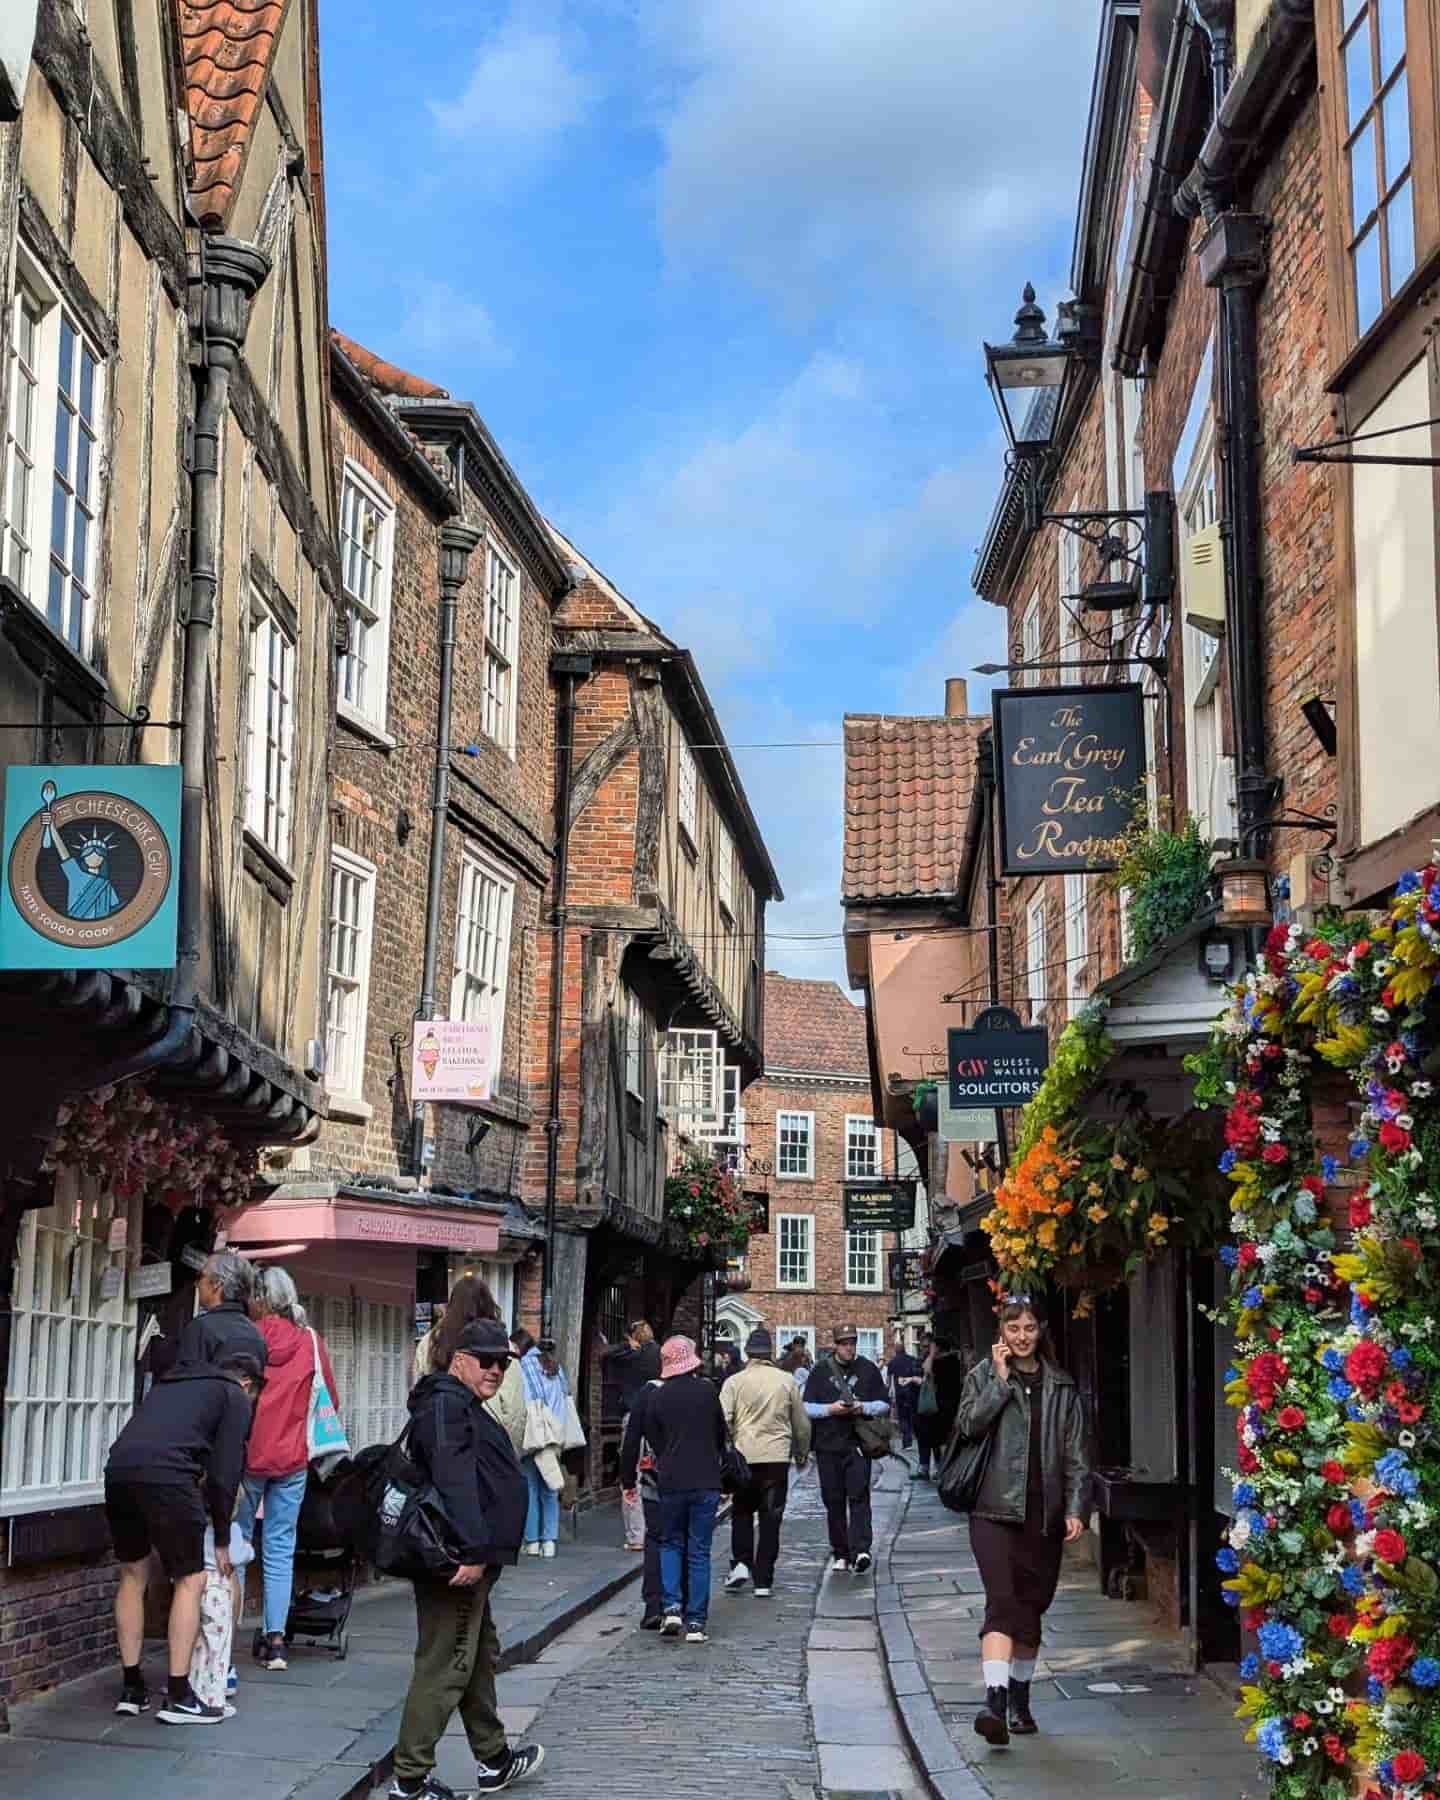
{"x": 685, "y": 1429}
{"x": 768, "y": 1425}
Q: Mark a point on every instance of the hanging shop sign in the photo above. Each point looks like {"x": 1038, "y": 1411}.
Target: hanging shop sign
{"x": 451, "y": 1060}
{"x": 1071, "y": 766}
{"x": 91, "y": 857}
{"x": 965, "y": 1124}
{"x": 879, "y": 1205}
{"x": 997, "y": 1061}
{"x": 151, "y": 1281}
{"x": 907, "y": 1269}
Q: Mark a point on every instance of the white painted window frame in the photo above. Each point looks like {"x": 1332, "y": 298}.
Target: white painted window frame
{"x": 345, "y": 1075}
{"x": 372, "y": 611}
{"x": 856, "y": 1127}
{"x": 807, "y": 1250}
{"x": 870, "y": 1341}
{"x": 1077, "y": 941}
{"x": 1030, "y": 641}
{"x": 478, "y": 986}
{"x": 687, "y": 792}
{"x": 864, "y": 1262}
{"x": 270, "y": 787}
{"x": 781, "y": 1118}
{"x": 500, "y": 681}
{"x": 1036, "y": 953}
{"x": 784, "y": 1333}
{"x": 725, "y": 873}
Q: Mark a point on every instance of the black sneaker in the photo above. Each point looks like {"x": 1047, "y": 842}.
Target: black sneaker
{"x": 190, "y": 1711}
{"x": 651, "y": 1622}
{"x": 671, "y": 1625}
{"x": 429, "y": 1787}
{"x": 861, "y": 1562}
{"x": 133, "y": 1701}
{"x": 516, "y": 1767}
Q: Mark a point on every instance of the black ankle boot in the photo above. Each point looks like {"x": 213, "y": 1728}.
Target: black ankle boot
{"x": 1022, "y": 1720}
{"x": 990, "y": 1720}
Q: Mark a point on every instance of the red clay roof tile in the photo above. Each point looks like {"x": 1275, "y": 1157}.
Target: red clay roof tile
{"x": 907, "y": 797}
{"x": 226, "y": 46}
{"x": 388, "y": 377}
{"x": 811, "y": 1026}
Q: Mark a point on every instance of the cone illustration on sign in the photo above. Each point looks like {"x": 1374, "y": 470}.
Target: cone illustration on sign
{"x": 452, "y": 1061}
{"x": 429, "y": 1055}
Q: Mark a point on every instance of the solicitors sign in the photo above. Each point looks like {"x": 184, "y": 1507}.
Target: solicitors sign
{"x": 91, "y": 859}
{"x": 1071, "y": 764}
{"x": 998, "y": 1061}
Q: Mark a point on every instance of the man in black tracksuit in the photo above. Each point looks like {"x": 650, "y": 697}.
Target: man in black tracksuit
{"x": 471, "y": 1461}
{"x": 842, "y": 1388}
{"x": 175, "y": 1468}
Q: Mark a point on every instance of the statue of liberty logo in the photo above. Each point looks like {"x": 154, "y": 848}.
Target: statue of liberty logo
{"x": 86, "y": 868}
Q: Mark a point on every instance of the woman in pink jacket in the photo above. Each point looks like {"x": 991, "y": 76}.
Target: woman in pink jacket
{"x": 277, "y": 1461}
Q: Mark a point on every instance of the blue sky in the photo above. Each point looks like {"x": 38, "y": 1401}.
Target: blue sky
{"x": 716, "y": 273}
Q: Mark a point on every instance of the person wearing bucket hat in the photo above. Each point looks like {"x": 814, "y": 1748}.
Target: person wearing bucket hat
{"x": 768, "y": 1425}
{"x": 843, "y": 1388}
{"x": 685, "y": 1429}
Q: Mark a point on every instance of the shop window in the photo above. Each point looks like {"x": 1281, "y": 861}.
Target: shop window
{"x": 71, "y": 1381}
{"x": 269, "y": 796}
{"x": 862, "y": 1148}
{"x": 785, "y": 1335}
{"x": 371, "y": 1345}
{"x": 862, "y": 1261}
{"x": 367, "y": 517}
{"x": 502, "y": 591}
{"x": 352, "y": 909}
{"x": 482, "y": 946}
{"x": 50, "y": 499}
{"x": 795, "y": 1146}
{"x": 795, "y": 1250}
{"x": 870, "y": 1341}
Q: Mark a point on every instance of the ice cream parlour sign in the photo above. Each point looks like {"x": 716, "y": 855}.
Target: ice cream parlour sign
{"x": 1071, "y": 763}
{"x": 91, "y": 856}
{"x": 451, "y": 1061}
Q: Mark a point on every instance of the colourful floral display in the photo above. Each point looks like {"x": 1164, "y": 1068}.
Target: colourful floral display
{"x": 1333, "y": 1558}
{"x": 704, "y": 1200}
{"x": 137, "y": 1143}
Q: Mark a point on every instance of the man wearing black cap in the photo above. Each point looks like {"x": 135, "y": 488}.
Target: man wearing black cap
{"x": 471, "y": 1460}
{"x": 174, "y": 1468}
{"x": 843, "y": 1388}
{"x": 769, "y": 1426}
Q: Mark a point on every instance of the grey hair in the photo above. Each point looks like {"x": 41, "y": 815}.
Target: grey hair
{"x": 234, "y": 1276}
{"x": 275, "y": 1290}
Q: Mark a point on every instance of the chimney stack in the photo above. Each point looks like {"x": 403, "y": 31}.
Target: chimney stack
{"x": 957, "y": 697}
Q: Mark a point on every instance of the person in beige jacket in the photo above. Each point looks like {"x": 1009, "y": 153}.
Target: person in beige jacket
{"x": 767, "y": 1423}
{"x": 470, "y": 1298}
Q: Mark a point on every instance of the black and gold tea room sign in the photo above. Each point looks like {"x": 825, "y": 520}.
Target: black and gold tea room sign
{"x": 1070, "y": 763}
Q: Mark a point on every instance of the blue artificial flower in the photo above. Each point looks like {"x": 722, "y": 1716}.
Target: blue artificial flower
{"x": 1228, "y": 1160}
{"x": 1249, "y": 1667}
{"x": 1425, "y": 1672}
{"x": 1226, "y": 1560}
{"x": 1359, "y": 1315}
{"x": 1394, "y": 1472}
{"x": 1255, "y": 1521}
{"x": 1386, "y": 1771}
{"x": 1229, "y": 1255}
{"x": 1280, "y": 1642}
{"x": 1353, "y": 1410}
{"x": 1329, "y": 1169}
{"x": 1401, "y": 1357}
{"x": 1352, "y": 1580}
{"x": 1374, "y": 1691}
{"x": 1408, "y": 883}
{"x": 1252, "y": 1298}
{"x": 1271, "y": 1738}
{"x": 1333, "y": 1361}
{"x": 1357, "y": 1514}
{"x": 1229, "y": 1596}
{"x": 1359, "y": 1147}
{"x": 1338, "y": 1388}
{"x": 1244, "y": 1494}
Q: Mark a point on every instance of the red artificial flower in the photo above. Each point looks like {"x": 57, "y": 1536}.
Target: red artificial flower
{"x": 1301, "y": 1721}
{"x": 1333, "y": 1746}
{"x": 1274, "y": 1334}
{"x": 1361, "y": 1209}
{"x": 1249, "y": 1461}
{"x": 1394, "y": 1137}
{"x": 1333, "y": 1472}
{"x": 1387, "y": 997}
{"x": 1252, "y": 1618}
{"x": 1248, "y": 1255}
{"x": 1274, "y": 1153}
{"x": 1313, "y": 1296}
{"x": 1315, "y": 1186}
{"x": 1338, "y": 1519}
{"x": 1272, "y": 1051}
{"x": 1365, "y": 1367}
{"x": 1318, "y": 950}
{"x": 1363, "y": 947}
{"x": 1390, "y": 1546}
{"x": 1388, "y": 1657}
{"x": 1274, "y": 1670}
{"x": 1395, "y": 1392}
{"x": 1290, "y": 1418}
{"x": 1409, "y": 1765}
{"x": 1338, "y": 1624}
{"x": 1410, "y": 1412}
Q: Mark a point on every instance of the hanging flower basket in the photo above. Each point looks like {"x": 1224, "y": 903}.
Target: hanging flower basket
{"x": 704, "y": 1202}
{"x": 1094, "y": 1277}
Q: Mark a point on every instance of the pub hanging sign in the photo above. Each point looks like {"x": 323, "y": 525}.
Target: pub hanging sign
{"x": 1071, "y": 766}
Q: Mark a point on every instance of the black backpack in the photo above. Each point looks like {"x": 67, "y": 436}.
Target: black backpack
{"x": 411, "y": 1531}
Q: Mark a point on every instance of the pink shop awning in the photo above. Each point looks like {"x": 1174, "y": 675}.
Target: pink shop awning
{"x": 309, "y": 1214}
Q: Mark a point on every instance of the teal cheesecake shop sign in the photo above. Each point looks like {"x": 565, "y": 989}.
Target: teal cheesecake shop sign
{"x": 92, "y": 857}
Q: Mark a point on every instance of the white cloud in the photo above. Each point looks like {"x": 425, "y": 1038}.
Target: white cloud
{"x": 442, "y": 321}
{"x": 828, "y": 150}
{"x": 526, "y": 87}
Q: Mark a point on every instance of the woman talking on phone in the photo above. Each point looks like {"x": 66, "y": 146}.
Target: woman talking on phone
{"x": 1030, "y": 1504}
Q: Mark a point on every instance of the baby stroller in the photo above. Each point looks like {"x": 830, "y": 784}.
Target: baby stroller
{"x": 325, "y": 1571}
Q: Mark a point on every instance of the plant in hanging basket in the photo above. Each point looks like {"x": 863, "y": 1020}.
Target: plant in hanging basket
{"x": 704, "y": 1202}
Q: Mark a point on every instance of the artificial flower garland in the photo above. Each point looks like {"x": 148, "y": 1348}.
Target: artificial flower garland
{"x": 136, "y": 1143}
{"x": 1334, "y": 1547}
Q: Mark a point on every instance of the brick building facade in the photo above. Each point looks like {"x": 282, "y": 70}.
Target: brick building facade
{"x": 810, "y": 1119}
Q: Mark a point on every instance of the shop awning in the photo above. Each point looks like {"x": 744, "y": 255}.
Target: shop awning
{"x": 316, "y": 1213}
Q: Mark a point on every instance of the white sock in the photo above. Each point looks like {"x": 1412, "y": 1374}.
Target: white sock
{"x": 997, "y": 1674}
{"x": 1021, "y": 1671}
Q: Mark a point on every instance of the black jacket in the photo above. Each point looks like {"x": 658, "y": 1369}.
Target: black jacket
{"x": 682, "y": 1422}
{"x": 833, "y": 1437}
{"x": 988, "y": 1404}
{"x": 211, "y": 1335}
{"x": 632, "y": 1368}
{"x": 473, "y": 1464}
{"x": 193, "y": 1425}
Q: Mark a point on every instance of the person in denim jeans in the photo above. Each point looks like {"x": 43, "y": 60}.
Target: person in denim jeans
{"x": 685, "y": 1430}
{"x": 276, "y": 1461}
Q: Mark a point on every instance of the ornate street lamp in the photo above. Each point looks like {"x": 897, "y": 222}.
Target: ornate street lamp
{"x": 1028, "y": 380}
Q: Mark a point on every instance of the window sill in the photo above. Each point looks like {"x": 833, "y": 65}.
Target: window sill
{"x": 367, "y": 728}
{"x": 806, "y": 1177}
{"x": 273, "y": 875}
{"x": 45, "y": 652}
{"x": 349, "y": 1109}
{"x": 795, "y": 1287}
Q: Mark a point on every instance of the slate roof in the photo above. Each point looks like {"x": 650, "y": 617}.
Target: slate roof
{"x": 226, "y": 46}
{"x": 907, "y": 798}
{"x": 812, "y": 1026}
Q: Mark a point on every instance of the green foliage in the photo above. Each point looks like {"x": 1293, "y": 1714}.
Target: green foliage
{"x": 1081, "y": 1052}
{"x": 1168, "y": 875}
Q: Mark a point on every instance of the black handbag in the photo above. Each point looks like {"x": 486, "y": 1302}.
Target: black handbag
{"x": 413, "y": 1534}
{"x": 734, "y": 1471}
{"x": 964, "y": 1471}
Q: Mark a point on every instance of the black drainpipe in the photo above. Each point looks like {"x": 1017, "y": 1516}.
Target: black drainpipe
{"x": 570, "y": 669}
{"x": 457, "y": 541}
{"x": 985, "y": 760}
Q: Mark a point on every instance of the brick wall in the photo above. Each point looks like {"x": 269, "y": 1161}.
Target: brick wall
{"x": 56, "y": 1622}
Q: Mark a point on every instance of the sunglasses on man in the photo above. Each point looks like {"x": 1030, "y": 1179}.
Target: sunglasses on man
{"x": 485, "y": 1359}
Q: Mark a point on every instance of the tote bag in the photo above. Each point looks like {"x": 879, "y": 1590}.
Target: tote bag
{"x": 325, "y": 1439}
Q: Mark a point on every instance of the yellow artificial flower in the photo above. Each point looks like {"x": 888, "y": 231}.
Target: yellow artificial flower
{"x": 1097, "y": 1213}
{"x": 1118, "y": 1162}
{"x": 1140, "y": 1173}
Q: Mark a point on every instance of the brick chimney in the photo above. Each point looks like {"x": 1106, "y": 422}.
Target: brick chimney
{"x": 957, "y": 697}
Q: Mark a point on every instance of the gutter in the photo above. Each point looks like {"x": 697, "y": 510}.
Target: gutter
{"x": 405, "y": 450}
